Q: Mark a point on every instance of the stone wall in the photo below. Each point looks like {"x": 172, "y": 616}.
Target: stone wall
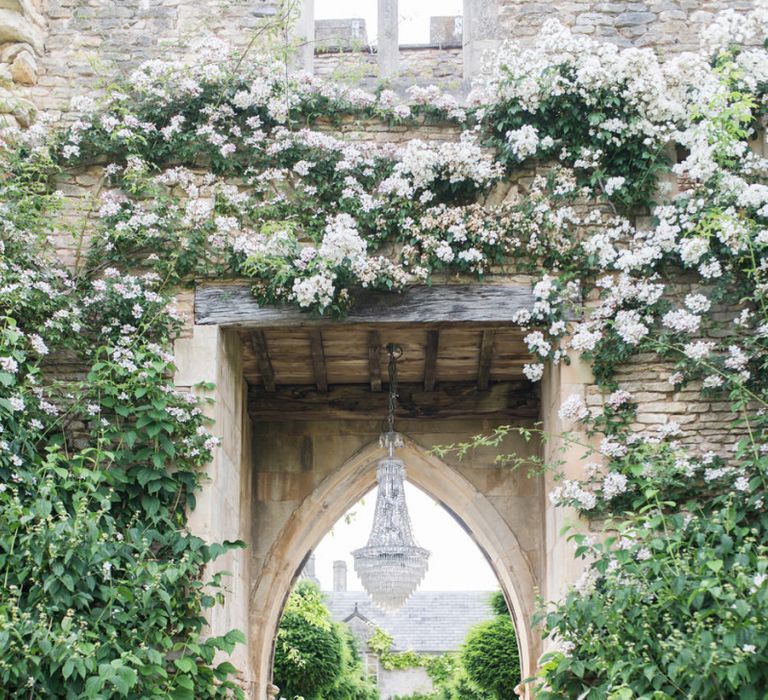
{"x": 704, "y": 423}
{"x": 428, "y": 64}
{"x": 276, "y": 489}
{"x": 224, "y": 509}
{"x": 22, "y": 36}
{"x": 53, "y": 50}
{"x": 87, "y": 42}
{"x": 669, "y": 25}
{"x": 402, "y": 682}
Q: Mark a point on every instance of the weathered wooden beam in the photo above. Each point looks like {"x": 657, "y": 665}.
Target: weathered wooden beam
{"x": 430, "y": 360}
{"x": 486, "y": 356}
{"x": 259, "y": 342}
{"x": 233, "y": 305}
{"x": 503, "y": 401}
{"x": 374, "y": 360}
{"x": 318, "y": 359}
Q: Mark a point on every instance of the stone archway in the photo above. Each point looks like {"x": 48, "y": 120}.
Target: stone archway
{"x": 339, "y": 491}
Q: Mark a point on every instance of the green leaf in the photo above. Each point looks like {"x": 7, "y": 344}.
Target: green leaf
{"x": 715, "y": 565}
{"x": 125, "y": 680}
{"x": 186, "y": 665}
{"x": 93, "y": 686}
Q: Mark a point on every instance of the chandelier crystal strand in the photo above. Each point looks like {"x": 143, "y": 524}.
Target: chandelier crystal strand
{"x": 391, "y": 566}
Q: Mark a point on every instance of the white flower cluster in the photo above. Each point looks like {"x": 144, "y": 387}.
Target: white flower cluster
{"x": 614, "y": 484}
{"x": 562, "y": 63}
{"x": 419, "y": 164}
{"x": 572, "y": 492}
{"x": 341, "y": 241}
{"x": 525, "y": 142}
{"x": 573, "y": 408}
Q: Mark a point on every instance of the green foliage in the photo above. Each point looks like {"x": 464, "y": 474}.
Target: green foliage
{"x": 380, "y": 643}
{"x": 316, "y": 658}
{"x": 673, "y": 603}
{"x": 499, "y": 603}
{"x": 101, "y": 590}
{"x": 491, "y": 659}
{"x": 683, "y": 606}
{"x": 575, "y": 118}
{"x": 450, "y": 679}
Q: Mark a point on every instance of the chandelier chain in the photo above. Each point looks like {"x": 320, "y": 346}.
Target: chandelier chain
{"x": 395, "y": 352}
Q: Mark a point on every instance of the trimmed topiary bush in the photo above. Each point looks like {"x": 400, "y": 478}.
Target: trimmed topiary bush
{"x": 315, "y": 657}
{"x": 491, "y": 659}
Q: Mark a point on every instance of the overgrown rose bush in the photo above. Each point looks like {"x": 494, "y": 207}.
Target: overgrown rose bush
{"x": 218, "y": 167}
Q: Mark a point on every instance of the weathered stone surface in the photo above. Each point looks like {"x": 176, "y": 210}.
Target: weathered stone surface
{"x": 18, "y": 28}
{"x": 23, "y": 110}
{"x": 24, "y": 69}
{"x": 10, "y": 51}
{"x": 630, "y": 19}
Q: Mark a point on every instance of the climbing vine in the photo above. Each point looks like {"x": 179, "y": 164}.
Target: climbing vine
{"x": 221, "y": 166}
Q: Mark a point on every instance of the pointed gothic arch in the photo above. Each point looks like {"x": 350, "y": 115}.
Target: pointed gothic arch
{"x": 339, "y": 491}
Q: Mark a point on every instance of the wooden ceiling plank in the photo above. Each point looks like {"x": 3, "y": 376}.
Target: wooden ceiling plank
{"x": 486, "y": 357}
{"x": 374, "y": 360}
{"x": 318, "y": 360}
{"x": 504, "y": 400}
{"x": 259, "y": 342}
{"x": 430, "y": 360}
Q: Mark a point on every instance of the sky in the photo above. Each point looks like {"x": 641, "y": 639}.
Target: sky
{"x": 414, "y": 15}
{"x": 456, "y": 562}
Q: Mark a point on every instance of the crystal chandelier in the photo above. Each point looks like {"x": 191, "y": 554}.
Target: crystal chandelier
{"x": 391, "y": 565}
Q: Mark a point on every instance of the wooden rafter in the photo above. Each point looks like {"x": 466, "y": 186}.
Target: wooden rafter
{"x": 486, "y": 356}
{"x": 430, "y": 360}
{"x": 374, "y": 360}
{"x": 318, "y": 359}
{"x": 504, "y": 400}
{"x": 259, "y": 343}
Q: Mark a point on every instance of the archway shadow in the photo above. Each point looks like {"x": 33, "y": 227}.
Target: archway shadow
{"x": 337, "y": 493}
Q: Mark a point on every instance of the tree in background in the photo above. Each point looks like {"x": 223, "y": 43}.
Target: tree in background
{"x": 315, "y": 657}
{"x": 488, "y": 665}
{"x": 490, "y": 655}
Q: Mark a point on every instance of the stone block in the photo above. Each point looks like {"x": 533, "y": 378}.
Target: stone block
{"x": 15, "y": 27}
{"x": 593, "y": 18}
{"x": 666, "y": 15}
{"x": 23, "y": 111}
{"x": 612, "y": 7}
{"x": 10, "y": 51}
{"x": 633, "y": 19}
{"x": 24, "y": 69}
{"x": 652, "y": 418}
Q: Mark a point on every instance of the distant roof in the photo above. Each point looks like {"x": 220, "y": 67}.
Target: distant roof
{"x": 430, "y": 621}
